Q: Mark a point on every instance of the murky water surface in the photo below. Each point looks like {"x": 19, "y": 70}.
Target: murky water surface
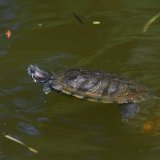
{"x": 58, "y": 35}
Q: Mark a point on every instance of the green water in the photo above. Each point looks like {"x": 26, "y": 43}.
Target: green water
{"x": 62, "y": 127}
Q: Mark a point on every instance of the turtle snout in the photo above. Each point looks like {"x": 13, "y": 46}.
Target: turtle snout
{"x": 37, "y": 74}
{"x": 31, "y": 69}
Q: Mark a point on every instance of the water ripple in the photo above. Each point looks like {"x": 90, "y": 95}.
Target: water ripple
{"x": 28, "y": 129}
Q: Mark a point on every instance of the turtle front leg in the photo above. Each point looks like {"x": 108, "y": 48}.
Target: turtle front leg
{"x": 129, "y": 110}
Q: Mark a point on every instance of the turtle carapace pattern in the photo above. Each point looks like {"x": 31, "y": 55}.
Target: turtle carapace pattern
{"x": 97, "y": 86}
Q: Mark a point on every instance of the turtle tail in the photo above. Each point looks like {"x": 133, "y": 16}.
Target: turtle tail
{"x": 37, "y": 74}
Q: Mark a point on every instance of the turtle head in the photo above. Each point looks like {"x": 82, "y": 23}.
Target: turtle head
{"x": 37, "y": 74}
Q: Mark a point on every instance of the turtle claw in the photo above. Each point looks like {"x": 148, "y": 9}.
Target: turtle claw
{"x": 129, "y": 111}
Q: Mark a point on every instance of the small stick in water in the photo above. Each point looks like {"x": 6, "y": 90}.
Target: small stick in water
{"x": 77, "y": 17}
{"x": 150, "y": 21}
{"x": 18, "y": 141}
{"x": 157, "y": 97}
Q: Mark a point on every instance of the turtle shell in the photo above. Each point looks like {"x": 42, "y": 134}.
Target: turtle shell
{"x": 100, "y": 86}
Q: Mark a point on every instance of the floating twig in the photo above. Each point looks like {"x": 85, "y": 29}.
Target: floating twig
{"x": 77, "y": 17}
{"x": 150, "y": 21}
{"x": 20, "y": 142}
{"x": 157, "y": 97}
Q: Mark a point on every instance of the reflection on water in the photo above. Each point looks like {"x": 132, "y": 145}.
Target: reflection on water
{"x": 60, "y": 126}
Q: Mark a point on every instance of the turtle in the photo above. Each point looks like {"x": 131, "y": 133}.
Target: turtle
{"x": 97, "y": 86}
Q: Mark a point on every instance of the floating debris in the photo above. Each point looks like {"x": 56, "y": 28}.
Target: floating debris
{"x": 18, "y": 141}
{"x": 96, "y": 22}
{"x": 77, "y": 17}
{"x": 40, "y": 24}
{"x": 152, "y": 127}
{"x": 8, "y": 34}
{"x": 149, "y": 22}
{"x": 148, "y": 126}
